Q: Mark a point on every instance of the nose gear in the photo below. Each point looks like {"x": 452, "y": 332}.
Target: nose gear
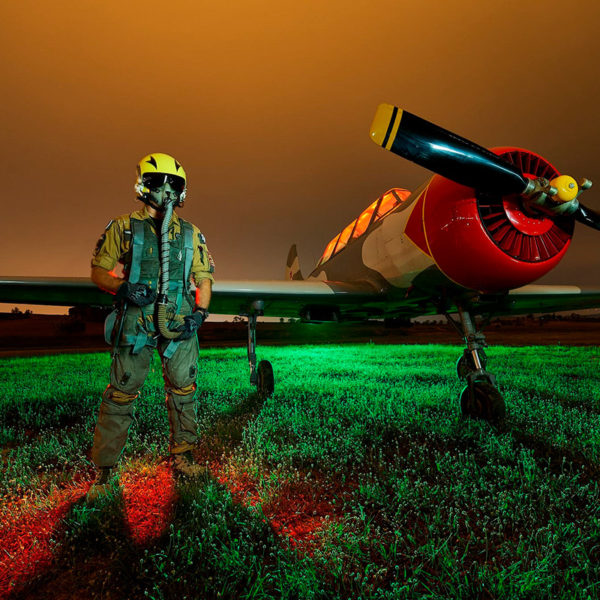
{"x": 480, "y": 398}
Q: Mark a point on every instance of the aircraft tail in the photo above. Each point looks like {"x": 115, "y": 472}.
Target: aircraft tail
{"x": 292, "y": 267}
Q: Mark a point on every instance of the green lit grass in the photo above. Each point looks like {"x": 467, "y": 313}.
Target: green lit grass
{"x": 434, "y": 506}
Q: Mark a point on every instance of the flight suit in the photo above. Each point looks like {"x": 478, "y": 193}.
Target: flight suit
{"x": 133, "y": 240}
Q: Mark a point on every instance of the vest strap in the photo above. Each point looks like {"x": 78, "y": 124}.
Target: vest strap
{"x": 170, "y": 349}
{"x": 137, "y": 228}
{"x": 175, "y": 286}
{"x": 138, "y": 341}
{"x": 188, "y": 243}
{"x": 141, "y": 339}
{"x": 183, "y": 287}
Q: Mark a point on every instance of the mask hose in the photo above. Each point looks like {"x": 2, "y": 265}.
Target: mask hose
{"x": 163, "y": 299}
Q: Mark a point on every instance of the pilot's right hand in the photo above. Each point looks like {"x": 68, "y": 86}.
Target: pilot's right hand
{"x": 137, "y": 293}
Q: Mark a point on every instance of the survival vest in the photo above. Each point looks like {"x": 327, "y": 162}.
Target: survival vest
{"x": 142, "y": 265}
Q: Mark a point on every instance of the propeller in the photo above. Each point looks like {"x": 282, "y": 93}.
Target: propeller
{"x": 467, "y": 163}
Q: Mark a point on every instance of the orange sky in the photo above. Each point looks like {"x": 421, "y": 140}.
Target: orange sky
{"x": 268, "y": 105}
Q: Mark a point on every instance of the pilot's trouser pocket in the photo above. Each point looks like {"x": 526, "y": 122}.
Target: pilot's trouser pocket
{"x": 112, "y": 426}
{"x": 180, "y": 371}
{"x": 109, "y": 326}
{"x": 127, "y": 374}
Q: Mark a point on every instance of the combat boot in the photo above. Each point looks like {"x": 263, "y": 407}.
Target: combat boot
{"x": 101, "y": 486}
{"x": 185, "y": 464}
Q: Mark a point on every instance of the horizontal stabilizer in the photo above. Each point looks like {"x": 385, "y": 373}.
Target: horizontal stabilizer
{"x": 292, "y": 267}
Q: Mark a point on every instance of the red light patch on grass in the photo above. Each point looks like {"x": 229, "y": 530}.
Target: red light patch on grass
{"x": 242, "y": 486}
{"x": 29, "y": 533}
{"x": 297, "y": 510}
{"x": 149, "y": 497}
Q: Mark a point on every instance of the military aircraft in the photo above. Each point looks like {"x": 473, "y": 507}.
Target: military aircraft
{"x": 470, "y": 241}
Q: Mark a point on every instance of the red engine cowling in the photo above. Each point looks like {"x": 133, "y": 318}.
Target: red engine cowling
{"x": 487, "y": 242}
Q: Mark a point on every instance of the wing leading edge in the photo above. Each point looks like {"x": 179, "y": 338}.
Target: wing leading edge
{"x": 323, "y": 300}
{"x": 279, "y": 298}
{"x": 542, "y": 299}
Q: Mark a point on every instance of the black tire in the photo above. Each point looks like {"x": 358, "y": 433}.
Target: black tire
{"x": 487, "y": 402}
{"x": 465, "y": 364}
{"x": 265, "y": 383}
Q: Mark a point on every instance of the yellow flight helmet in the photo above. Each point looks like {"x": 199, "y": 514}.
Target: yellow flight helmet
{"x": 156, "y": 169}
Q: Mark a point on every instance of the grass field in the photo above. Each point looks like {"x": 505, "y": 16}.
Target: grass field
{"x": 357, "y": 479}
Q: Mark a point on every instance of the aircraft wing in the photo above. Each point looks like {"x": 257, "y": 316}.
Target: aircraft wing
{"x": 279, "y": 298}
{"x": 312, "y": 299}
{"x": 54, "y": 291}
{"x": 541, "y": 299}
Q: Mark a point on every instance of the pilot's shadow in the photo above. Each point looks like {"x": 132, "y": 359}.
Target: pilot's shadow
{"x": 224, "y": 433}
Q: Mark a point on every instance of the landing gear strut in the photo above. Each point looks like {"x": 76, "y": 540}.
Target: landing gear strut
{"x": 262, "y": 375}
{"x": 480, "y": 398}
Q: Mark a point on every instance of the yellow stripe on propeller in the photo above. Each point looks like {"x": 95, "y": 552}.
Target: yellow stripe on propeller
{"x": 385, "y": 125}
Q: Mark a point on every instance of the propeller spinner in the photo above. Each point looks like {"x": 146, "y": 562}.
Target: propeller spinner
{"x": 467, "y": 163}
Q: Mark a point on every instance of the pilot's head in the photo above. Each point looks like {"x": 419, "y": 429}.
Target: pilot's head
{"x": 160, "y": 179}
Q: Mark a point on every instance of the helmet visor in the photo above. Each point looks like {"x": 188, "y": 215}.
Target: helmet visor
{"x": 154, "y": 181}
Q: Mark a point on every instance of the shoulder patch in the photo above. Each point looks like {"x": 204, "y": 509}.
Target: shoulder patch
{"x": 100, "y": 243}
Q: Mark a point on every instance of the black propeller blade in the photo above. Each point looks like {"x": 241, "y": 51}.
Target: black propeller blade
{"x": 467, "y": 163}
{"x": 444, "y": 152}
{"x": 587, "y": 216}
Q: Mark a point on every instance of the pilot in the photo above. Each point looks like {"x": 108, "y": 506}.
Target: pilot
{"x": 134, "y": 328}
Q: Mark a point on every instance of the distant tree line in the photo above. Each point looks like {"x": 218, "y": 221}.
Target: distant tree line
{"x": 16, "y": 313}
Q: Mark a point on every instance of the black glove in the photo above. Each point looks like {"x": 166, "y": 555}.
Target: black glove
{"x": 191, "y": 323}
{"x": 136, "y": 293}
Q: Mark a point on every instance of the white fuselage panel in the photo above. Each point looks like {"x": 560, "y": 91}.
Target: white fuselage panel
{"x": 390, "y": 252}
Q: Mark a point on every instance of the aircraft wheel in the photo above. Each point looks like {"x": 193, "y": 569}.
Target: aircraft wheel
{"x": 265, "y": 384}
{"x": 466, "y": 365}
{"x": 485, "y": 403}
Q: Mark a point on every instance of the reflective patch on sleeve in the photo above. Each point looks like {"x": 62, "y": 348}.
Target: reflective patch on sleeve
{"x": 201, "y": 238}
{"x": 109, "y": 224}
{"x": 211, "y": 262}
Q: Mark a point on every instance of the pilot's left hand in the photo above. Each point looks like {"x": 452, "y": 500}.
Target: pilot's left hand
{"x": 191, "y": 323}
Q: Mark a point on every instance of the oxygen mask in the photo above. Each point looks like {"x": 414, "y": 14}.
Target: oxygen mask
{"x": 164, "y": 190}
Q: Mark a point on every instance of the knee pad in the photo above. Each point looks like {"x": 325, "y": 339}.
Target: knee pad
{"x": 116, "y": 402}
{"x": 182, "y": 391}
